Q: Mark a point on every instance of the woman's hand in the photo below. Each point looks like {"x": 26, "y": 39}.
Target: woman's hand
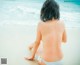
{"x": 29, "y": 58}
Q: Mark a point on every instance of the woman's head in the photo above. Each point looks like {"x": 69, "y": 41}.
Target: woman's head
{"x": 49, "y": 11}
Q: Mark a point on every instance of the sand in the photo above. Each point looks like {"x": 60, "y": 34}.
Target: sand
{"x": 15, "y": 39}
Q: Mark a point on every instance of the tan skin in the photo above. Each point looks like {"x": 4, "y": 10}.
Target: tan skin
{"x": 52, "y": 33}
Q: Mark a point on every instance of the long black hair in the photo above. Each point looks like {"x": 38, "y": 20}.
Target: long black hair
{"x": 50, "y": 10}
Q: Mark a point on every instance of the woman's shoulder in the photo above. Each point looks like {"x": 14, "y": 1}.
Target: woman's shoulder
{"x": 40, "y": 23}
{"x": 62, "y": 22}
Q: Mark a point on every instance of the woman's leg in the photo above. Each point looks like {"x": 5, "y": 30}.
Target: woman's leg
{"x": 31, "y": 46}
{"x": 39, "y": 51}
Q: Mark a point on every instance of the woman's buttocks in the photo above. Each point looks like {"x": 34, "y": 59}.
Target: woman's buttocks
{"x": 52, "y": 53}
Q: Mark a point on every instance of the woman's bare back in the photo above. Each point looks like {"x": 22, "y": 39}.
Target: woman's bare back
{"x": 52, "y": 33}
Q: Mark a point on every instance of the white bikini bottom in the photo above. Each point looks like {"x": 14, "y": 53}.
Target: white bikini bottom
{"x": 60, "y": 62}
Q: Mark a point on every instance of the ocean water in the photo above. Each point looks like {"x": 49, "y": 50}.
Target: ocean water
{"x": 27, "y": 12}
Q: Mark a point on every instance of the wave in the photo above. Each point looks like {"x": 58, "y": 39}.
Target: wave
{"x": 21, "y": 13}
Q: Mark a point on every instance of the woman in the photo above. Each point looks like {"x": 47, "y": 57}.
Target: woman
{"x": 51, "y": 31}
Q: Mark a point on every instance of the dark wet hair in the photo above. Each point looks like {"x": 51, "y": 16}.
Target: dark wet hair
{"x": 50, "y": 10}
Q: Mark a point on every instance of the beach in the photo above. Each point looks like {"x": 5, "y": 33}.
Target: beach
{"x": 18, "y": 25}
{"x": 15, "y": 39}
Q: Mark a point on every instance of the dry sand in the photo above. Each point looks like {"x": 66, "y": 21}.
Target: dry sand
{"x": 14, "y": 41}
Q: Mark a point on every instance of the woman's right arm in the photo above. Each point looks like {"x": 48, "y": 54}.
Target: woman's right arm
{"x": 64, "y": 37}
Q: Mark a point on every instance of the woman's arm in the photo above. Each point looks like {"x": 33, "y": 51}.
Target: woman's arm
{"x": 64, "y": 36}
{"x": 36, "y": 43}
